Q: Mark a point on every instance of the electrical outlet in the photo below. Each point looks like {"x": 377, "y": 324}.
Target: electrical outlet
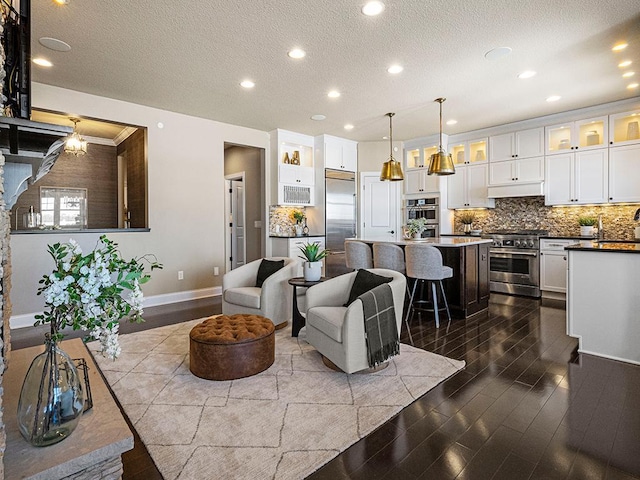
{"x": 216, "y": 271}
{"x": 180, "y": 275}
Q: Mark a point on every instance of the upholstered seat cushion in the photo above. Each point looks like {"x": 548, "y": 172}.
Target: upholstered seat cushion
{"x": 244, "y": 296}
{"x": 328, "y": 320}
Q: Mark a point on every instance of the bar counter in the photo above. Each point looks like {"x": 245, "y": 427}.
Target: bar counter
{"x": 468, "y": 290}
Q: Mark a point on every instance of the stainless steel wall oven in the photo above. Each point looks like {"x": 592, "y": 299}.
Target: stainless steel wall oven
{"x": 426, "y": 208}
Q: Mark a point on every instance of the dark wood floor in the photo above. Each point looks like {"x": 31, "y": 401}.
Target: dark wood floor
{"x": 527, "y": 406}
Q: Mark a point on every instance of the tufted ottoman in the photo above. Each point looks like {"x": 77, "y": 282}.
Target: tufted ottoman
{"x": 227, "y": 347}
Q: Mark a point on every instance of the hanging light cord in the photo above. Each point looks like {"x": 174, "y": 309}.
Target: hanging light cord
{"x": 440, "y": 101}
{"x": 390, "y": 115}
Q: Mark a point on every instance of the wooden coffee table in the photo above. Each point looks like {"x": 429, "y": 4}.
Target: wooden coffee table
{"x": 298, "y": 319}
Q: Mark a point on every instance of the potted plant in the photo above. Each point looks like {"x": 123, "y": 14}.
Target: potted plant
{"x": 466, "y": 218}
{"x": 415, "y": 227}
{"x": 298, "y": 217}
{"x": 587, "y": 226}
{"x": 313, "y": 255}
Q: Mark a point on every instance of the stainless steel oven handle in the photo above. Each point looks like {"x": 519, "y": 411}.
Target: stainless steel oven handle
{"x": 503, "y": 254}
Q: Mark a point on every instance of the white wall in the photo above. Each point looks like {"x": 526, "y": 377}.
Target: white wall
{"x": 371, "y": 155}
{"x": 186, "y": 189}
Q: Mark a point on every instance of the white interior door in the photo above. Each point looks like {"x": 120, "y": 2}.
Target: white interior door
{"x": 379, "y": 205}
{"x": 238, "y": 221}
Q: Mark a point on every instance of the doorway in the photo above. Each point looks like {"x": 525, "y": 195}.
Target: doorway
{"x": 379, "y": 206}
{"x": 244, "y": 204}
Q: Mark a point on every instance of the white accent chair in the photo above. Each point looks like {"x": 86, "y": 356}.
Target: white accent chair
{"x": 336, "y": 331}
{"x": 274, "y": 300}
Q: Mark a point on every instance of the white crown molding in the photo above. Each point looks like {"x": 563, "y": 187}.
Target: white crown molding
{"x": 99, "y": 141}
{"x": 124, "y": 134}
{"x": 28, "y": 319}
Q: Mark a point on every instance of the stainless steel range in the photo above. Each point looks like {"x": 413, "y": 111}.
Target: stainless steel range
{"x": 514, "y": 265}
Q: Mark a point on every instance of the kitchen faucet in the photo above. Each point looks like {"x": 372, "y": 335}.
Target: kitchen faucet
{"x": 600, "y": 228}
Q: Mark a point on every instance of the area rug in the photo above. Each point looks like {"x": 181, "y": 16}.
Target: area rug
{"x": 283, "y": 423}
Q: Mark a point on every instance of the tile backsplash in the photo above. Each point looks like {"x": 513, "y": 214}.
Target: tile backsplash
{"x": 528, "y": 213}
{"x": 281, "y": 223}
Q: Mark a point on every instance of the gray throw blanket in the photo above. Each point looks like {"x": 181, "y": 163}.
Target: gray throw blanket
{"x": 380, "y": 324}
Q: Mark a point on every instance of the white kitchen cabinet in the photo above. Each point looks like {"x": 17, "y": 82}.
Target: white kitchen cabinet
{"x": 467, "y": 188}
{"x": 577, "y": 178}
{"x": 553, "y": 264}
{"x": 521, "y": 171}
{"x": 466, "y": 153}
{"x": 523, "y": 144}
{"x": 289, "y": 246}
{"x": 624, "y": 128}
{"x": 624, "y": 174}
{"x": 419, "y": 181}
{"x": 337, "y": 153}
{"x": 295, "y": 183}
{"x": 295, "y": 175}
{"x": 587, "y": 134}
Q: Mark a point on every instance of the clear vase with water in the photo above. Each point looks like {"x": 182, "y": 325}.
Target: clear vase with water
{"x": 52, "y": 399}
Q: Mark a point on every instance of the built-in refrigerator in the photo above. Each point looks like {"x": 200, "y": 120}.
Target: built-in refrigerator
{"x": 340, "y": 218}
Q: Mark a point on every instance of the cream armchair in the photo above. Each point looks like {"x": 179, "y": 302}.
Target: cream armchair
{"x": 336, "y": 331}
{"x": 273, "y": 300}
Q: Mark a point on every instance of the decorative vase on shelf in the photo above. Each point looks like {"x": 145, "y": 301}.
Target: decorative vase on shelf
{"x": 633, "y": 132}
{"x": 299, "y": 229}
{"x": 52, "y": 399}
{"x": 286, "y": 158}
{"x": 295, "y": 159}
{"x": 466, "y": 227}
{"x": 312, "y": 271}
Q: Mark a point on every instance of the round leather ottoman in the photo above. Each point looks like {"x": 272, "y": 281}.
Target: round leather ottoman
{"x": 227, "y": 347}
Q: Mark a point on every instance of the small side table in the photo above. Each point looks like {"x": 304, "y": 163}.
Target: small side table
{"x": 298, "y": 319}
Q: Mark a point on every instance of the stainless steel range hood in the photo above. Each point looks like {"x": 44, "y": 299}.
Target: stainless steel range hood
{"x": 30, "y": 149}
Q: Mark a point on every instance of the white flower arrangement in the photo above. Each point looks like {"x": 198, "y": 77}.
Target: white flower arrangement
{"x": 85, "y": 291}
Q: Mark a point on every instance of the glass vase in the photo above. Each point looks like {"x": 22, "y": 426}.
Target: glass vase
{"x": 51, "y": 400}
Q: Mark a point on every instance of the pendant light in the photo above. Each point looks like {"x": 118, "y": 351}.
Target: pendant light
{"x": 75, "y": 144}
{"x": 441, "y": 162}
{"x": 391, "y": 169}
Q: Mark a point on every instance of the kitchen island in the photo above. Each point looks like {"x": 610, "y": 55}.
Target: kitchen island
{"x": 603, "y": 298}
{"x": 468, "y": 290}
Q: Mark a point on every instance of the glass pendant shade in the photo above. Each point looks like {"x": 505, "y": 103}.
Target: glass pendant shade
{"x": 441, "y": 162}
{"x": 75, "y": 144}
{"x": 391, "y": 169}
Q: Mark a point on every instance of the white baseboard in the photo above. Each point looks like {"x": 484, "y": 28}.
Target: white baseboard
{"x": 28, "y": 319}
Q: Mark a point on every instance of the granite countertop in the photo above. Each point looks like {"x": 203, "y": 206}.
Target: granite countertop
{"x": 460, "y": 241}
{"x": 620, "y": 246}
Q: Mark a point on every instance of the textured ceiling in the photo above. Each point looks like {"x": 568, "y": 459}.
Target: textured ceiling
{"x": 190, "y": 56}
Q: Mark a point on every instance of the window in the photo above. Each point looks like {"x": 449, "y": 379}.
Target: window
{"x": 63, "y": 207}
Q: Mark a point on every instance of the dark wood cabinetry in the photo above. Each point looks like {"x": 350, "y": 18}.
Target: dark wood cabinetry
{"x": 468, "y": 290}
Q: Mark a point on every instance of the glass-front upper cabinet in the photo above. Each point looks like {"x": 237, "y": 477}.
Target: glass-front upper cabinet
{"x": 413, "y": 159}
{"x": 579, "y": 135}
{"x": 464, "y": 153}
{"x": 624, "y": 128}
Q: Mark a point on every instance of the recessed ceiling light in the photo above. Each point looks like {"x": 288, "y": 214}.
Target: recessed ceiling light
{"x": 631, "y": 86}
{"x": 452, "y": 122}
{"x": 247, "y": 84}
{"x": 620, "y": 46}
{"x": 160, "y": 125}
{"x": 333, "y": 94}
{"x": 385, "y": 138}
{"x": 54, "y": 44}
{"x": 395, "y": 69}
{"x": 371, "y": 9}
{"x": 348, "y": 126}
{"x": 297, "y": 53}
{"x": 527, "y": 74}
{"x": 628, "y": 74}
{"x": 318, "y": 117}
{"x": 626, "y": 63}
{"x": 497, "y": 52}
{"x": 42, "y": 62}
{"x": 553, "y": 98}
{"x": 61, "y": 2}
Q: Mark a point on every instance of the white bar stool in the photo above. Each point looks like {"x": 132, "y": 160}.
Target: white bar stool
{"x": 424, "y": 263}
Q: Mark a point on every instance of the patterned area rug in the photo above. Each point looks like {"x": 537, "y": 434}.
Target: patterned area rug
{"x": 283, "y": 423}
